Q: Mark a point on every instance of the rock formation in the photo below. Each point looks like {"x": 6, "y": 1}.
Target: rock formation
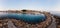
{"x": 20, "y": 24}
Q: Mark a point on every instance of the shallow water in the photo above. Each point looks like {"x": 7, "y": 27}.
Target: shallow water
{"x": 30, "y": 18}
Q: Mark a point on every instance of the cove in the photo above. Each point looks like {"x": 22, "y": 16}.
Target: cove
{"x": 29, "y": 18}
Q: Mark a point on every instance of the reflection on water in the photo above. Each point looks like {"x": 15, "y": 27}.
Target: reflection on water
{"x": 30, "y": 18}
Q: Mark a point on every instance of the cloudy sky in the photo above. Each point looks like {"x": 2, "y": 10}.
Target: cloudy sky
{"x": 47, "y": 5}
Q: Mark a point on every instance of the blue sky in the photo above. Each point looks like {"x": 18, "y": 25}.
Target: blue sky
{"x": 29, "y": 4}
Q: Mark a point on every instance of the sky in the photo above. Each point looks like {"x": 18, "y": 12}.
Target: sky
{"x": 43, "y": 5}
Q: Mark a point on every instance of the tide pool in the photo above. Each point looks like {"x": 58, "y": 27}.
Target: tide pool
{"x": 30, "y": 18}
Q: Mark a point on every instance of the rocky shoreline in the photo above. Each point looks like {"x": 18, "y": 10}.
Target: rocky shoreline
{"x": 57, "y": 21}
{"x": 21, "y": 24}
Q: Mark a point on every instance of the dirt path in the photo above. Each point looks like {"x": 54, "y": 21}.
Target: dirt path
{"x": 10, "y": 24}
{"x": 53, "y": 25}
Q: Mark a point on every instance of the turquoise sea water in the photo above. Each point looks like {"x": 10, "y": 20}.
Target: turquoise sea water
{"x": 30, "y": 18}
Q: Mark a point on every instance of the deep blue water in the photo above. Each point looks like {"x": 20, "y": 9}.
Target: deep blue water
{"x": 30, "y": 18}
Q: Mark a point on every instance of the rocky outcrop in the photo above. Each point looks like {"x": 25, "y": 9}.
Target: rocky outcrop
{"x": 21, "y": 24}
{"x": 57, "y": 21}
